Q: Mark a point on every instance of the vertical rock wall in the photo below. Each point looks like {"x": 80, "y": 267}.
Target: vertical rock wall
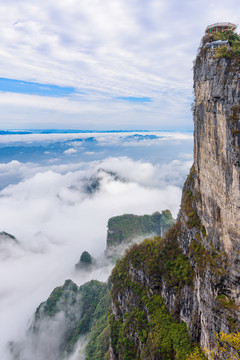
{"x": 213, "y": 243}
{"x": 207, "y": 233}
{"x": 216, "y": 148}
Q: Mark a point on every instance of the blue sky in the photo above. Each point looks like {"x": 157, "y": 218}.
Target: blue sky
{"x": 102, "y": 64}
{"x": 27, "y": 87}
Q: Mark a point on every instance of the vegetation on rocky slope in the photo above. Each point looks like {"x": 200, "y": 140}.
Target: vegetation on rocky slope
{"x": 233, "y": 50}
{"x": 94, "y": 304}
{"x": 226, "y": 343}
{"x": 230, "y": 51}
{"x": 201, "y": 251}
{"x": 157, "y": 257}
{"x": 126, "y": 227}
{"x": 141, "y": 324}
{"x": 161, "y": 337}
{"x": 70, "y": 313}
{"x": 146, "y": 329}
{"x": 99, "y": 334}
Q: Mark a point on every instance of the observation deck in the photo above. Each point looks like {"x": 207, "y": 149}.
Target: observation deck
{"x": 219, "y": 27}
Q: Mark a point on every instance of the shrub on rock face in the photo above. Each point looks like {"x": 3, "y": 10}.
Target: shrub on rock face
{"x": 85, "y": 260}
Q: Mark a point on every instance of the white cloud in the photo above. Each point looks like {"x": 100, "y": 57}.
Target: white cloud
{"x": 70, "y": 151}
{"x": 33, "y": 111}
{"x": 89, "y": 153}
{"x": 145, "y": 145}
{"x": 104, "y": 138}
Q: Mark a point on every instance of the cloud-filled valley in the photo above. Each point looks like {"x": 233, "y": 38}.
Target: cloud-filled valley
{"x": 58, "y": 209}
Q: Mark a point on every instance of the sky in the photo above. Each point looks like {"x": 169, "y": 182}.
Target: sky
{"x": 93, "y": 64}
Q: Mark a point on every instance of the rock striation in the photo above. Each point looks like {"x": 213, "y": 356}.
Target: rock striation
{"x": 216, "y": 190}
{"x": 216, "y": 148}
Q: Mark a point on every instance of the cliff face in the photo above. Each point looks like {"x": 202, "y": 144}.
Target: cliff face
{"x": 216, "y": 189}
{"x": 216, "y": 149}
{"x": 207, "y": 236}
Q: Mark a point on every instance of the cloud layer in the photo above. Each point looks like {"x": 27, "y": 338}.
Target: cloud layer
{"x": 57, "y": 213}
{"x": 23, "y": 155}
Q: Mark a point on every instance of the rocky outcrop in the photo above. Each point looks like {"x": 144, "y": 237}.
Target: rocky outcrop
{"x": 207, "y": 234}
{"x": 4, "y": 236}
{"x": 9, "y": 245}
{"x": 125, "y": 228}
{"x": 85, "y": 261}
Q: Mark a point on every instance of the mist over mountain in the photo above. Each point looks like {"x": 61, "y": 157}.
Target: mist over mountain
{"x": 57, "y": 206}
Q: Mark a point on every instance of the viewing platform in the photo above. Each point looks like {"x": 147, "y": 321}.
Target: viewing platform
{"x": 219, "y": 27}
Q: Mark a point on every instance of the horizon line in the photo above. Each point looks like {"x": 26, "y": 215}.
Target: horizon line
{"x": 56, "y": 130}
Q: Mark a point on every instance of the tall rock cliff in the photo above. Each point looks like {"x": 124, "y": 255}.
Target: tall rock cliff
{"x": 193, "y": 275}
{"x": 216, "y": 148}
{"x": 216, "y": 191}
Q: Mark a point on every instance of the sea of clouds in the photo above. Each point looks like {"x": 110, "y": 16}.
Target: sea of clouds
{"x": 58, "y": 209}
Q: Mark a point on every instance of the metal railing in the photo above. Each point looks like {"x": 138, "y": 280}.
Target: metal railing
{"x": 221, "y": 24}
